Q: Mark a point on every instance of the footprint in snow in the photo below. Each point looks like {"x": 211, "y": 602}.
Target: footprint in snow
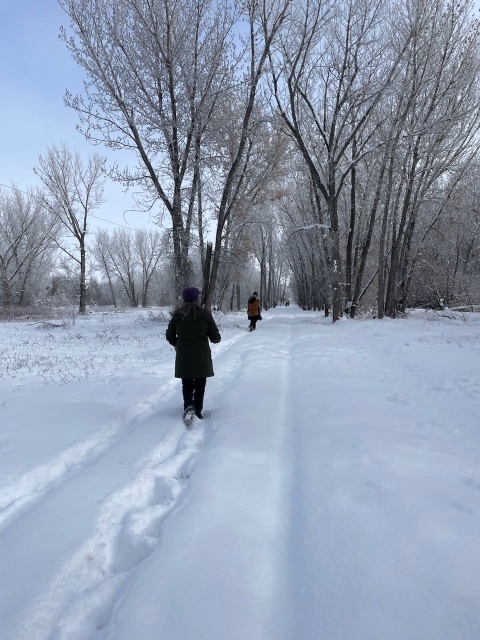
{"x": 400, "y": 398}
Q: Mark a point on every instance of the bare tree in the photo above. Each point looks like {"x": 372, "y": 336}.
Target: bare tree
{"x": 378, "y": 98}
{"x": 262, "y": 25}
{"x": 155, "y": 69}
{"x": 329, "y": 75}
{"x": 439, "y": 134}
{"x": 27, "y": 233}
{"x": 72, "y": 191}
{"x": 101, "y": 251}
{"x": 446, "y": 260}
{"x": 151, "y": 248}
{"x": 124, "y": 262}
{"x": 304, "y": 238}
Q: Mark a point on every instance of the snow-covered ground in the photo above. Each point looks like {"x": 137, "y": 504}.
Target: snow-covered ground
{"x": 332, "y": 493}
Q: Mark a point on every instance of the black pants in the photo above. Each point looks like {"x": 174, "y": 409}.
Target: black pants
{"x": 193, "y": 392}
{"x": 253, "y": 321}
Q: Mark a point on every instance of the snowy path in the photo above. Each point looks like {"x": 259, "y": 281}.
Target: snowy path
{"x": 333, "y": 493}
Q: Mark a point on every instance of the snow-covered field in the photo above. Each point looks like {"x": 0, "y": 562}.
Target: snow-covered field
{"x": 332, "y": 493}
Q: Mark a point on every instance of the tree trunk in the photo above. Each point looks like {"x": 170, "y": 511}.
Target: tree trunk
{"x": 111, "y": 288}
{"x": 351, "y": 232}
{"x": 391, "y": 302}
{"x": 223, "y": 290}
{"x": 5, "y": 289}
{"x": 337, "y": 279}
{"x": 201, "y": 241}
{"x": 206, "y": 276}
{"x": 263, "y": 278}
{"x": 382, "y": 241}
{"x": 83, "y": 289}
{"x": 24, "y": 283}
{"x": 213, "y": 273}
{"x": 337, "y": 297}
{"x": 182, "y": 267}
{"x": 368, "y": 240}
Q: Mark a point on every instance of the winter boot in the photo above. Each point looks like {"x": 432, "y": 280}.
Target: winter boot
{"x": 188, "y": 416}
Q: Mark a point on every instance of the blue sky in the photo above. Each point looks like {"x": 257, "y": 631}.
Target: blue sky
{"x": 35, "y": 70}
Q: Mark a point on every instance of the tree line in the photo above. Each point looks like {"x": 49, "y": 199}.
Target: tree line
{"x": 328, "y": 149}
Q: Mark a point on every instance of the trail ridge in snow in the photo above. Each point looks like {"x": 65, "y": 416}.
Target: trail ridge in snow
{"x": 33, "y": 485}
{"x": 83, "y": 594}
{"x": 24, "y": 491}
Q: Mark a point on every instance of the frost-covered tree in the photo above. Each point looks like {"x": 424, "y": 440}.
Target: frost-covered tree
{"x": 150, "y": 246}
{"x": 72, "y": 190}
{"x": 154, "y": 70}
{"x": 28, "y": 233}
{"x": 439, "y": 98}
{"x": 124, "y": 263}
{"x": 329, "y": 74}
{"x": 129, "y": 259}
{"x": 101, "y": 251}
{"x": 261, "y": 25}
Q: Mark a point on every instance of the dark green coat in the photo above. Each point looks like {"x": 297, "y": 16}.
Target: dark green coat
{"x": 190, "y": 336}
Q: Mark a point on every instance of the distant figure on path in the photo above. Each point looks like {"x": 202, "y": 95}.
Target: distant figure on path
{"x": 189, "y": 331}
{"x": 254, "y": 308}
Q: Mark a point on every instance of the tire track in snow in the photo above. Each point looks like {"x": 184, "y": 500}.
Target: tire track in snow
{"x": 36, "y": 483}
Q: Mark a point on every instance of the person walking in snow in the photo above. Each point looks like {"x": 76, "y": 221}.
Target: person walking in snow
{"x": 189, "y": 331}
{"x": 254, "y": 309}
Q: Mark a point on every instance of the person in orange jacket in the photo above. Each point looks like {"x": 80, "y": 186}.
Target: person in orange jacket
{"x": 254, "y": 308}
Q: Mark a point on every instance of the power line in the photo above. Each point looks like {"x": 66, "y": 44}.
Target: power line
{"x": 117, "y": 224}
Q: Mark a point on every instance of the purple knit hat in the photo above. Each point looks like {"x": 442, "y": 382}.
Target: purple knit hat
{"x": 190, "y": 294}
